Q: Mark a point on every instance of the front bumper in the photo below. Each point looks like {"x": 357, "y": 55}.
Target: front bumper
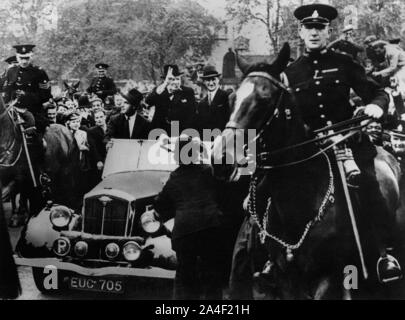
{"x": 151, "y": 272}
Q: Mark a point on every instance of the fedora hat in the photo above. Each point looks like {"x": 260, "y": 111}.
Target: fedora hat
{"x": 133, "y": 97}
{"x": 209, "y": 72}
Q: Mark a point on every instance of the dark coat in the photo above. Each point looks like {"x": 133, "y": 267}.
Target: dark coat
{"x": 321, "y": 82}
{"x": 214, "y": 116}
{"x": 118, "y": 128}
{"x": 104, "y": 84}
{"x": 95, "y": 137}
{"x": 190, "y": 197}
{"x": 181, "y": 108}
{"x": 33, "y": 81}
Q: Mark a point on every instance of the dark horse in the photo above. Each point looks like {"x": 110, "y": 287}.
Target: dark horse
{"x": 59, "y": 164}
{"x": 298, "y": 228}
{"x": 70, "y": 89}
{"x": 9, "y": 153}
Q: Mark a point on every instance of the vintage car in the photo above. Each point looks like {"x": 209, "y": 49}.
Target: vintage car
{"x": 116, "y": 244}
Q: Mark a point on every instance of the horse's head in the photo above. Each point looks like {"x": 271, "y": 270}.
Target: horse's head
{"x": 254, "y": 104}
{"x": 70, "y": 90}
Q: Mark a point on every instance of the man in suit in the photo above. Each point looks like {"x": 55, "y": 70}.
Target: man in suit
{"x": 130, "y": 124}
{"x": 173, "y": 102}
{"x": 95, "y": 136}
{"x": 213, "y": 111}
{"x": 102, "y": 86}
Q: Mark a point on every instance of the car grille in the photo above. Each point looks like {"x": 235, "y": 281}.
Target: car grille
{"x": 115, "y": 218}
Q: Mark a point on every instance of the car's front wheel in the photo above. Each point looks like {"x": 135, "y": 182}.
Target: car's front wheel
{"x": 46, "y": 282}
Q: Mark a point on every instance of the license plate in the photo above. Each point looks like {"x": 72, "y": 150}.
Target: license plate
{"x": 96, "y": 284}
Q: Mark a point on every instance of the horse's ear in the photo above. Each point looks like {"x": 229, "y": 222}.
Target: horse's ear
{"x": 242, "y": 63}
{"x": 66, "y": 85}
{"x": 283, "y": 58}
{"x": 77, "y": 84}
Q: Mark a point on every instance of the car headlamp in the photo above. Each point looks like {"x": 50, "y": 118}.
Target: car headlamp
{"x": 131, "y": 251}
{"x": 81, "y": 248}
{"x": 112, "y": 250}
{"x": 60, "y": 216}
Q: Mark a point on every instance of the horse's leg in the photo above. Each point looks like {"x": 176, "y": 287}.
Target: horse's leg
{"x": 241, "y": 277}
{"x": 9, "y": 282}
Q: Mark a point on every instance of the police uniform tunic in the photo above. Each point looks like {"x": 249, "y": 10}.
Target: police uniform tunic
{"x": 104, "y": 84}
{"x": 321, "y": 82}
{"x": 33, "y": 81}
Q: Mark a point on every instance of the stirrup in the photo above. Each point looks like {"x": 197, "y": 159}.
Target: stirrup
{"x": 353, "y": 179}
{"x": 393, "y": 267}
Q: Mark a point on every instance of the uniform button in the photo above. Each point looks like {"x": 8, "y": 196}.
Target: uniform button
{"x": 317, "y": 83}
{"x": 297, "y": 90}
{"x": 321, "y": 106}
{"x": 319, "y": 94}
{"x": 328, "y": 123}
{"x": 337, "y": 81}
{"x": 315, "y": 61}
{"x": 322, "y": 116}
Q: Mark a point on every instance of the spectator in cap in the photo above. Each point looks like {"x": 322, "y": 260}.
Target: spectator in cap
{"x": 396, "y": 63}
{"x": 102, "y": 86}
{"x": 346, "y": 44}
{"x": 84, "y": 108}
{"x": 51, "y": 112}
{"x": 213, "y": 110}
{"x": 96, "y": 103}
{"x": 377, "y": 61}
{"x": 96, "y": 138}
{"x": 129, "y": 124}
{"x": 190, "y": 197}
{"x": 172, "y": 101}
{"x": 82, "y": 155}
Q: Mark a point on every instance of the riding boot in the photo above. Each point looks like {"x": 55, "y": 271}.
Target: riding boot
{"x": 384, "y": 225}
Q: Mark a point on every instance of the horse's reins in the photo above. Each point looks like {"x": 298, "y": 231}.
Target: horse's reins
{"x": 8, "y": 111}
{"x": 285, "y": 89}
{"x": 329, "y": 195}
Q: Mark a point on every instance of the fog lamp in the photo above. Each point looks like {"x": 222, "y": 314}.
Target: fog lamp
{"x": 61, "y": 246}
{"x": 132, "y": 251}
{"x": 60, "y": 216}
{"x": 112, "y": 250}
{"x": 81, "y": 248}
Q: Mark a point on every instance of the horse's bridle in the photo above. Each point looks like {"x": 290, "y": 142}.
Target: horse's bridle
{"x": 270, "y": 115}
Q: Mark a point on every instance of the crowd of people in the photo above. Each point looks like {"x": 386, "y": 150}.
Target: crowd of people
{"x": 102, "y": 112}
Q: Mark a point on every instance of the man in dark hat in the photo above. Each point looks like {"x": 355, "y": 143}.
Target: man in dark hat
{"x": 102, "y": 86}
{"x": 28, "y": 80}
{"x": 129, "y": 124}
{"x": 213, "y": 111}
{"x": 321, "y": 80}
{"x": 84, "y": 108}
{"x": 173, "y": 102}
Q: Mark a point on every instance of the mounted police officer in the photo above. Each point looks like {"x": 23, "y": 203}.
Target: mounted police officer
{"x": 321, "y": 80}
{"x": 11, "y": 62}
{"x": 32, "y": 82}
{"x": 102, "y": 86}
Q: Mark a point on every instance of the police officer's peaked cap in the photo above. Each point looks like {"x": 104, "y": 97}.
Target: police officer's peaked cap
{"x": 11, "y": 59}
{"x": 316, "y": 13}
{"x": 370, "y": 39}
{"x": 100, "y": 66}
{"x": 24, "y": 49}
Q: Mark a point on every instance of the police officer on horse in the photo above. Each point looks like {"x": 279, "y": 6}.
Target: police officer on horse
{"x": 321, "y": 80}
